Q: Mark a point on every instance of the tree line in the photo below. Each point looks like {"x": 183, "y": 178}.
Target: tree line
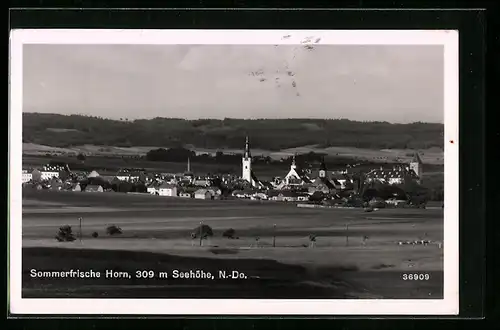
{"x": 268, "y": 134}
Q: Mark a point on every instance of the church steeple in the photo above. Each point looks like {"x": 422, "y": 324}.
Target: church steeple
{"x": 189, "y": 165}
{"x": 416, "y": 165}
{"x": 323, "y": 165}
{"x": 247, "y": 148}
{"x": 294, "y": 164}
{"x": 247, "y": 164}
{"x": 322, "y": 168}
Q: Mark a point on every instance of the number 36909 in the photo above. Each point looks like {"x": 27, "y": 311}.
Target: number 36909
{"x": 416, "y": 277}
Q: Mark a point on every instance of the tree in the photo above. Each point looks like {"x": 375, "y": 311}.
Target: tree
{"x": 369, "y": 194}
{"x": 317, "y": 196}
{"x": 81, "y": 157}
{"x": 390, "y": 191}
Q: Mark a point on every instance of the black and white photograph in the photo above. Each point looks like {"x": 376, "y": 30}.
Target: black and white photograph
{"x": 237, "y": 172}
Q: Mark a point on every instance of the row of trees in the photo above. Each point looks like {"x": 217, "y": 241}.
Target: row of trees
{"x": 181, "y": 154}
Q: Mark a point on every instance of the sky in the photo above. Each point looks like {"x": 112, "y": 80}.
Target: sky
{"x": 399, "y": 84}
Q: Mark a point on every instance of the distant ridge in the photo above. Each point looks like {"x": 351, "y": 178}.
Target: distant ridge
{"x": 271, "y": 134}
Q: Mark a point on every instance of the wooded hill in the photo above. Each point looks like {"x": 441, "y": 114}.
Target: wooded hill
{"x": 268, "y": 134}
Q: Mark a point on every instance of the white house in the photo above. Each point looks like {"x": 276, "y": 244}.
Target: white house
{"x": 167, "y": 190}
{"x": 94, "y": 188}
{"x": 153, "y": 188}
{"x": 27, "y": 176}
{"x": 201, "y": 182}
{"x": 202, "y": 194}
{"x": 93, "y": 174}
{"x": 396, "y": 175}
{"x": 127, "y": 175}
{"x": 215, "y": 191}
{"x": 47, "y": 175}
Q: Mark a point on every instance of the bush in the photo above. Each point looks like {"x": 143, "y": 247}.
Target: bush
{"x": 204, "y": 230}
{"x": 95, "y": 234}
{"x": 65, "y": 234}
{"x": 230, "y": 233}
{"x": 113, "y": 230}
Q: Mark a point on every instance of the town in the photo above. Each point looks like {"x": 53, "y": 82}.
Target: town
{"x": 400, "y": 185}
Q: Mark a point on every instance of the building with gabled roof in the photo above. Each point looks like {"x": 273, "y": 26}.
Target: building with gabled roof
{"x": 93, "y": 174}
{"x": 166, "y": 189}
{"x": 27, "y": 175}
{"x": 203, "y": 194}
{"x": 416, "y": 165}
{"x": 152, "y": 188}
{"x": 396, "y": 175}
{"x": 93, "y": 188}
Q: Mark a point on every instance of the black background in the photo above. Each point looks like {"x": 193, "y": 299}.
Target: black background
{"x": 471, "y": 25}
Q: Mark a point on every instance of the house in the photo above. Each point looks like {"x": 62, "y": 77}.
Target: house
{"x": 93, "y": 174}
{"x": 48, "y": 174}
{"x": 396, "y": 175}
{"x": 130, "y": 175}
{"x": 396, "y": 202}
{"x": 238, "y": 194}
{"x": 27, "y": 176}
{"x": 319, "y": 185}
{"x": 272, "y": 194}
{"x": 166, "y": 189}
{"x": 94, "y": 188}
{"x": 50, "y": 171}
{"x": 342, "y": 180}
{"x": 153, "y": 188}
{"x": 202, "y": 194}
{"x": 287, "y": 196}
{"x": 201, "y": 182}
{"x": 302, "y": 198}
{"x": 76, "y": 187}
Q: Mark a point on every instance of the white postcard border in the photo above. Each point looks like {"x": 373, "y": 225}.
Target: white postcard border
{"x": 449, "y": 305}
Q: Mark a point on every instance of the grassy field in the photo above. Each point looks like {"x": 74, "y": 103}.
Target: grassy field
{"x": 156, "y": 236}
{"x": 432, "y": 156}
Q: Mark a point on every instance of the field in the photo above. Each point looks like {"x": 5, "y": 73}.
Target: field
{"x": 432, "y": 156}
{"x": 356, "y": 254}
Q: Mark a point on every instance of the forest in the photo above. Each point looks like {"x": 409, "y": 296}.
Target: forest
{"x": 269, "y": 134}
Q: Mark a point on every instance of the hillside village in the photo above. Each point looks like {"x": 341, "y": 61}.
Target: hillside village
{"x": 379, "y": 186}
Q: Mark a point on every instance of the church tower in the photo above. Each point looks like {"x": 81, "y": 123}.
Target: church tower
{"x": 322, "y": 169}
{"x": 247, "y": 163}
{"x": 416, "y": 165}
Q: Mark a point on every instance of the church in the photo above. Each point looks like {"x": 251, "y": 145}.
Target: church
{"x": 296, "y": 176}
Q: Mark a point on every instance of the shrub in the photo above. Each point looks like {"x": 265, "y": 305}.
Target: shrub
{"x": 204, "y": 230}
{"x": 113, "y": 230}
{"x": 230, "y": 233}
{"x": 95, "y": 234}
{"x": 65, "y": 234}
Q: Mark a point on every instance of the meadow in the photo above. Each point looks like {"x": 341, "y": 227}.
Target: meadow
{"x": 355, "y": 254}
